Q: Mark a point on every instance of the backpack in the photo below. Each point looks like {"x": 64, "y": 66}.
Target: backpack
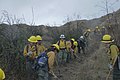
{"x": 41, "y": 61}
{"x": 81, "y": 42}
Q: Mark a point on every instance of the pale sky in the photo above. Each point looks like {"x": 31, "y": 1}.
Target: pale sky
{"x": 55, "y": 11}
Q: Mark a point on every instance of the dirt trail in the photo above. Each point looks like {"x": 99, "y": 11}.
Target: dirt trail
{"x": 72, "y": 70}
{"x": 87, "y": 67}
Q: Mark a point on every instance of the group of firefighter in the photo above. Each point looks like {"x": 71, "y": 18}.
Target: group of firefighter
{"x": 60, "y": 53}
{"x": 41, "y": 60}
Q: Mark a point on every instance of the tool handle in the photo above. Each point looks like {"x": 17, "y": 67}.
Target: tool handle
{"x": 112, "y": 68}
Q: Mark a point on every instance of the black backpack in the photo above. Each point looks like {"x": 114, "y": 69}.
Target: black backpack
{"x": 81, "y": 42}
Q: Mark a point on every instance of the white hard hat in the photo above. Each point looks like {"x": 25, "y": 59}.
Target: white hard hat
{"x": 62, "y": 36}
{"x": 81, "y": 37}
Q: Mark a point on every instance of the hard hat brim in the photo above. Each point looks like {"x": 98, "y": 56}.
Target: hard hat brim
{"x": 62, "y": 37}
{"x": 32, "y": 41}
{"x": 54, "y": 45}
{"x": 107, "y": 41}
{"x": 39, "y": 39}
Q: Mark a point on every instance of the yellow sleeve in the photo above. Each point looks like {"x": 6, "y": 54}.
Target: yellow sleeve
{"x": 114, "y": 52}
{"x": 2, "y": 74}
{"x": 57, "y": 42}
{"x": 68, "y": 45}
{"x": 34, "y": 54}
{"x": 51, "y": 59}
{"x": 75, "y": 50}
{"x": 44, "y": 48}
{"x": 25, "y": 51}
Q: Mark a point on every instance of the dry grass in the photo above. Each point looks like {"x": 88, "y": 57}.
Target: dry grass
{"x": 95, "y": 67}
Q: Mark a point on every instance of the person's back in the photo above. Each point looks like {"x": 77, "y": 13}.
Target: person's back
{"x": 103, "y": 31}
{"x": 42, "y": 66}
{"x": 68, "y": 46}
{"x": 45, "y": 71}
{"x": 113, "y": 51}
{"x": 86, "y": 33}
{"x": 40, "y": 47}
{"x": 81, "y": 42}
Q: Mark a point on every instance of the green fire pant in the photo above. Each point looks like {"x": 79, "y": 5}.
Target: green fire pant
{"x": 43, "y": 73}
{"x": 62, "y": 56}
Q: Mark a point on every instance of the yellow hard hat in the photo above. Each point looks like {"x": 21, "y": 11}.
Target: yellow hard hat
{"x": 107, "y": 39}
{"x": 97, "y": 27}
{"x": 2, "y": 74}
{"x": 75, "y": 43}
{"x": 32, "y": 39}
{"x": 103, "y": 27}
{"x": 38, "y": 37}
{"x": 56, "y": 46}
{"x": 73, "y": 39}
{"x": 88, "y": 30}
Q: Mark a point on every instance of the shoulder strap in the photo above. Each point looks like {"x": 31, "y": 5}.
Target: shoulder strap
{"x": 27, "y": 46}
{"x": 36, "y": 50}
{"x": 110, "y": 46}
{"x": 59, "y": 42}
{"x": 65, "y": 42}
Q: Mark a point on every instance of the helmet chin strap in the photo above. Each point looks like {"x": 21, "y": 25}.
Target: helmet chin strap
{"x": 62, "y": 39}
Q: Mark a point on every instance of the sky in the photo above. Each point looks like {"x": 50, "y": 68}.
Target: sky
{"x": 56, "y": 12}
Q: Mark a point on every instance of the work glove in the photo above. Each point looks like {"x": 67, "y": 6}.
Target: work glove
{"x": 72, "y": 50}
{"x": 29, "y": 53}
{"x": 110, "y": 66}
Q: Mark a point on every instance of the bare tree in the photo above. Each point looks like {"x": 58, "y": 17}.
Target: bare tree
{"x": 32, "y": 23}
{"x": 112, "y": 23}
{"x": 9, "y": 19}
{"x": 71, "y": 18}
